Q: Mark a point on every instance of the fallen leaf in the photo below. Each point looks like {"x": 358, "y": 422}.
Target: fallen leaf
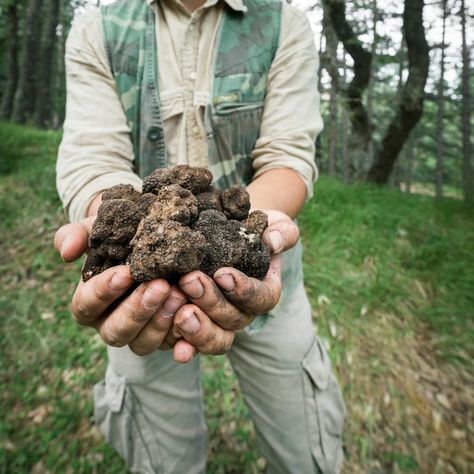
{"x": 42, "y": 390}
{"x": 420, "y": 289}
{"x": 47, "y": 315}
{"x": 402, "y": 232}
{"x": 333, "y": 328}
{"x": 437, "y": 420}
{"x": 39, "y": 414}
{"x": 38, "y": 468}
{"x": 364, "y": 310}
{"x": 443, "y": 401}
{"x": 9, "y": 446}
{"x": 458, "y": 434}
{"x": 323, "y": 300}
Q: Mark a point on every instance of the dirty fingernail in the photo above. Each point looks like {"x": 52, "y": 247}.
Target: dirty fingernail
{"x": 226, "y": 282}
{"x": 119, "y": 281}
{"x": 170, "y": 307}
{"x": 275, "y": 240}
{"x": 152, "y": 298}
{"x": 194, "y": 288}
{"x": 66, "y": 243}
{"x": 190, "y": 326}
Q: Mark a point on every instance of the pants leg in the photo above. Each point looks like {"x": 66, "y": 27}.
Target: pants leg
{"x": 293, "y": 397}
{"x": 150, "y": 410}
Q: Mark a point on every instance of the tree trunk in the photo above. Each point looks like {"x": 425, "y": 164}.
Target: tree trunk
{"x": 45, "y": 82}
{"x": 370, "y": 89}
{"x": 360, "y": 125}
{"x": 8, "y": 96}
{"x": 411, "y": 108}
{"x": 410, "y": 158}
{"x": 346, "y": 162}
{"x": 319, "y": 146}
{"x": 25, "y": 95}
{"x": 440, "y": 113}
{"x": 468, "y": 172}
{"x": 331, "y": 60}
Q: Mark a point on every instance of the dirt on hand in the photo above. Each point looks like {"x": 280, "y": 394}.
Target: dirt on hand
{"x": 179, "y": 223}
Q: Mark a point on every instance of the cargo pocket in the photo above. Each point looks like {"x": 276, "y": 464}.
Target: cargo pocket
{"x": 119, "y": 417}
{"x": 325, "y": 410}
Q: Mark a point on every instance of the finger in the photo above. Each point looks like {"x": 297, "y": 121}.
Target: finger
{"x": 250, "y": 295}
{"x": 281, "y": 234}
{"x": 196, "y": 327}
{"x": 71, "y": 240}
{"x": 124, "y": 323}
{"x": 183, "y": 351}
{"x": 172, "y": 337}
{"x": 151, "y": 337}
{"x": 204, "y": 293}
{"x": 92, "y": 298}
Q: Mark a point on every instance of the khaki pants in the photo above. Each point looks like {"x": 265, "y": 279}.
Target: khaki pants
{"x": 150, "y": 408}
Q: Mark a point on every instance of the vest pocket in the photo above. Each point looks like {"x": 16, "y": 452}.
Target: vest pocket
{"x": 232, "y": 134}
{"x": 325, "y": 410}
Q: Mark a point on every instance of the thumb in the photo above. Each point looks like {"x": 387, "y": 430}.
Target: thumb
{"x": 281, "y": 235}
{"x": 72, "y": 240}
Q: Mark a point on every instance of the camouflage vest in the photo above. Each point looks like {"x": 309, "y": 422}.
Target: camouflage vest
{"x": 247, "y": 43}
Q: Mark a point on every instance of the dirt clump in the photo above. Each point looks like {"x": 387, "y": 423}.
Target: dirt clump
{"x": 179, "y": 223}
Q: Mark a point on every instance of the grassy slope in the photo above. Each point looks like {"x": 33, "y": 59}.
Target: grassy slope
{"x": 391, "y": 280}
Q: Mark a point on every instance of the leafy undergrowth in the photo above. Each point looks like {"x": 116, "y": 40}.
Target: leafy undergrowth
{"x": 391, "y": 279}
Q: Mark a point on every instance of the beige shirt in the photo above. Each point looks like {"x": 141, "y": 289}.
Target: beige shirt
{"x": 96, "y": 151}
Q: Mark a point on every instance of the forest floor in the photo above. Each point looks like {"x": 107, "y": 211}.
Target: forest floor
{"x": 391, "y": 280}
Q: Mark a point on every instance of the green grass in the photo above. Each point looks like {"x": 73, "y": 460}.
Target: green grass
{"x": 378, "y": 249}
{"x": 391, "y": 279}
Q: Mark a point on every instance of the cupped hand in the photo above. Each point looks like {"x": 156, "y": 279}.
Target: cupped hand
{"x": 231, "y": 300}
{"x": 141, "y": 317}
{"x": 155, "y": 315}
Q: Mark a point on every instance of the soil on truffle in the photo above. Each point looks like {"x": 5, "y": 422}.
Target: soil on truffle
{"x": 179, "y": 223}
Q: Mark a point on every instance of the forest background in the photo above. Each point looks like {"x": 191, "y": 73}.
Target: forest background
{"x": 389, "y": 245}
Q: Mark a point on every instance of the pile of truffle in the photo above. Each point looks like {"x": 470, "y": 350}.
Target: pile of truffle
{"x": 179, "y": 223}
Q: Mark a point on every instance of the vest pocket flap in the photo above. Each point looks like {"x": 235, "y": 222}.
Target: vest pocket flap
{"x": 230, "y": 108}
{"x": 318, "y": 366}
{"x": 239, "y": 90}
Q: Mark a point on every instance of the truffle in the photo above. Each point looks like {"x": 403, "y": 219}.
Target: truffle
{"x": 195, "y": 180}
{"x": 179, "y": 224}
{"x": 165, "y": 249}
{"x": 236, "y": 202}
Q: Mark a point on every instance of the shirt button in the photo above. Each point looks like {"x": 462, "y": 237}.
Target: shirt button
{"x": 154, "y": 134}
{"x": 192, "y": 76}
{"x": 196, "y": 131}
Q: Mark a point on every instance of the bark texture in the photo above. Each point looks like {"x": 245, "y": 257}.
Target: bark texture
{"x": 43, "y": 98}
{"x": 440, "y": 113}
{"x": 25, "y": 96}
{"x": 468, "y": 172}
{"x": 8, "y": 96}
{"x": 411, "y": 106}
{"x": 361, "y": 127}
{"x": 331, "y": 65}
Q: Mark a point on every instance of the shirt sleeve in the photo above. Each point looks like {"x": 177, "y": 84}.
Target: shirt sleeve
{"x": 291, "y": 116}
{"x": 96, "y": 150}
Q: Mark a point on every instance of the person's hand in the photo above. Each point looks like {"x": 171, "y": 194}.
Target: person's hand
{"x": 231, "y": 300}
{"x": 142, "y": 318}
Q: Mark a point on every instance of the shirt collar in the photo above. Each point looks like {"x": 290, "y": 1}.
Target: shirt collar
{"x": 237, "y": 5}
